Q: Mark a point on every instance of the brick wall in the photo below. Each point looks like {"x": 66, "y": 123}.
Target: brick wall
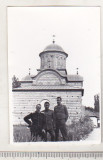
{"x": 25, "y": 102}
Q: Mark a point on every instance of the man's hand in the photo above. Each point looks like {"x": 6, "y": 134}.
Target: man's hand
{"x": 29, "y": 125}
{"x": 43, "y": 130}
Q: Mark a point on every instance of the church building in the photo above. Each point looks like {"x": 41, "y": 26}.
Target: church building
{"x": 50, "y": 82}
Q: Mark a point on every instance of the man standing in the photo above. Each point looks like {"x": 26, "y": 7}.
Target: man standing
{"x": 36, "y": 123}
{"x": 49, "y": 120}
{"x": 61, "y": 116}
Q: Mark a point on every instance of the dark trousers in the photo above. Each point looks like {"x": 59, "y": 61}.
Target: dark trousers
{"x": 35, "y": 132}
{"x": 52, "y": 134}
{"x": 60, "y": 125}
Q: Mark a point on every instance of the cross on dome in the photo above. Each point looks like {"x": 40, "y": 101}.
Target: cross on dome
{"x": 29, "y": 70}
{"x": 77, "y": 70}
{"x": 53, "y": 38}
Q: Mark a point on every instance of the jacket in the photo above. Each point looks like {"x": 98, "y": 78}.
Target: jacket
{"x": 60, "y": 112}
{"x": 35, "y": 119}
{"x": 49, "y": 119}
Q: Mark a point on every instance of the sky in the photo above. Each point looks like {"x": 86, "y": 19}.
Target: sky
{"x": 76, "y": 30}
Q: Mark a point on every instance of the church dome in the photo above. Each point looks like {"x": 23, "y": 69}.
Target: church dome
{"x": 53, "y": 56}
{"x": 27, "y": 78}
{"x": 53, "y": 47}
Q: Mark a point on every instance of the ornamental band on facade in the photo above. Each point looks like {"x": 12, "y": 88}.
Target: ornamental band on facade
{"x": 50, "y": 82}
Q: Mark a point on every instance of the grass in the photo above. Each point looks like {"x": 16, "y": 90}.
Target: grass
{"x": 80, "y": 130}
{"x": 76, "y": 131}
{"x": 21, "y": 133}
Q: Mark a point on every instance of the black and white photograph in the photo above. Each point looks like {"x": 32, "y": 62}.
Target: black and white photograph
{"x": 54, "y": 74}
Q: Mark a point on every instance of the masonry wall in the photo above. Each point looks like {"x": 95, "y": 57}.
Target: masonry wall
{"x": 25, "y": 102}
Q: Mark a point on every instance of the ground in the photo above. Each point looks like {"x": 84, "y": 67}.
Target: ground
{"x": 94, "y": 135}
{"x": 22, "y": 134}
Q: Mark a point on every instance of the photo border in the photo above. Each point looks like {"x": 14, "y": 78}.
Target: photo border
{"x": 4, "y": 85}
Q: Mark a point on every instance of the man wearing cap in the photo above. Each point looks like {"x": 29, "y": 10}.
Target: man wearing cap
{"x": 49, "y": 120}
{"x": 61, "y": 116}
{"x": 36, "y": 122}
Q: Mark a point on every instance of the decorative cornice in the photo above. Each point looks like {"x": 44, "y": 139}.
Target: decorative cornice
{"x": 45, "y": 90}
{"x": 53, "y": 51}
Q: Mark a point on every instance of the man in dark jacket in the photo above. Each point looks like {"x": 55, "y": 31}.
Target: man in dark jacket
{"x": 49, "y": 120}
{"x": 61, "y": 116}
{"x": 36, "y": 123}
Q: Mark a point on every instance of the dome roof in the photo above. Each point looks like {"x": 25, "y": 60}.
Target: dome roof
{"x": 75, "y": 78}
{"x": 53, "y": 47}
{"x": 27, "y": 78}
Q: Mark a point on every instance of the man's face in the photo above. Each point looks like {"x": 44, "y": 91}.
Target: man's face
{"x": 46, "y": 105}
{"x": 38, "y": 108}
{"x": 59, "y": 101}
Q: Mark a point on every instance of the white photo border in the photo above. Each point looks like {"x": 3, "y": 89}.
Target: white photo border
{"x": 4, "y": 85}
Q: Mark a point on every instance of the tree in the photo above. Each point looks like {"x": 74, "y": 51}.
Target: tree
{"x": 96, "y": 102}
{"x": 15, "y": 82}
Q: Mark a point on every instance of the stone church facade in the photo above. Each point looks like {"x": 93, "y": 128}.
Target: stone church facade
{"x": 50, "y": 82}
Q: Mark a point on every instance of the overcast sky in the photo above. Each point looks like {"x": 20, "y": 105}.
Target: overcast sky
{"x": 77, "y": 31}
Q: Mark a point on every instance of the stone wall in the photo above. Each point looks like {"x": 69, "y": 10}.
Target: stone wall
{"x": 25, "y": 102}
